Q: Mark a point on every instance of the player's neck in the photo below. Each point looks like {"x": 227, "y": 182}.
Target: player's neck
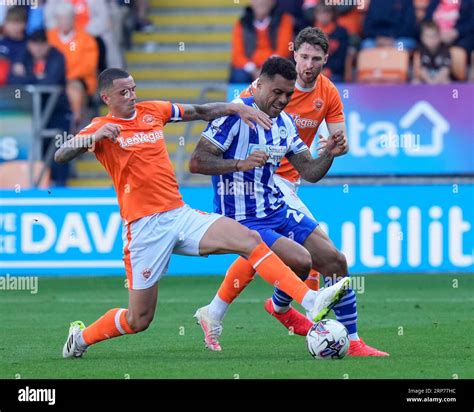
{"x": 259, "y": 106}
{"x": 122, "y": 117}
{"x": 305, "y": 87}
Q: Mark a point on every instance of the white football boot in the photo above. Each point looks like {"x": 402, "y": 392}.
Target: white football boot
{"x": 212, "y": 328}
{"x": 71, "y": 348}
{"x": 327, "y": 298}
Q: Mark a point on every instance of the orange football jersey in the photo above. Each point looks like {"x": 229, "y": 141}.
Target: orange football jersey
{"x": 308, "y": 108}
{"x": 138, "y": 162}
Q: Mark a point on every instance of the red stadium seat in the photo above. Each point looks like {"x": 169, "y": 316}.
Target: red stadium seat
{"x": 382, "y": 65}
{"x": 16, "y": 174}
{"x": 4, "y": 70}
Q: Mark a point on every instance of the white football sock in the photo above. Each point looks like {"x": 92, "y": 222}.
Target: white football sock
{"x": 354, "y": 336}
{"x": 80, "y": 341}
{"x": 218, "y": 308}
{"x": 280, "y": 309}
{"x": 309, "y": 299}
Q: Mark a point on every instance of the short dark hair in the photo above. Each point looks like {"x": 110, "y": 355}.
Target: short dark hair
{"x": 17, "y": 14}
{"x": 107, "y": 77}
{"x": 38, "y": 36}
{"x": 278, "y": 65}
{"x": 312, "y": 36}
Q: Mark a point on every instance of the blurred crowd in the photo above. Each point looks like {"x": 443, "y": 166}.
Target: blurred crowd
{"x": 67, "y": 43}
{"x": 436, "y": 38}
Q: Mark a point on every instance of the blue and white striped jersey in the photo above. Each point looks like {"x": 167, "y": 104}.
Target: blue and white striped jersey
{"x": 243, "y": 195}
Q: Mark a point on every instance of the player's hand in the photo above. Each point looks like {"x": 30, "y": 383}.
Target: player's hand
{"x": 256, "y": 159}
{"x": 335, "y": 144}
{"x": 250, "y": 116}
{"x": 108, "y": 131}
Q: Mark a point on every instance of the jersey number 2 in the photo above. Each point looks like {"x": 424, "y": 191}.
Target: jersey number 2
{"x": 297, "y": 216}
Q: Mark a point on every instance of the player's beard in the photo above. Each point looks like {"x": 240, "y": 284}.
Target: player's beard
{"x": 309, "y": 78}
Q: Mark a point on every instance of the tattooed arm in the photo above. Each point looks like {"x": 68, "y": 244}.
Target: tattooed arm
{"x": 207, "y": 159}
{"x": 211, "y": 111}
{"x": 311, "y": 169}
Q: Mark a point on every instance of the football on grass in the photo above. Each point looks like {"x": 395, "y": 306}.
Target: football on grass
{"x": 328, "y": 339}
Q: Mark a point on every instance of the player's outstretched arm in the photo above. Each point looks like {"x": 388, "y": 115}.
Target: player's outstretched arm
{"x": 207, "y": 159}
{"x": 72, "y": 148}
{"x": 83, "y": 142}
{"x": 211, "y": 111}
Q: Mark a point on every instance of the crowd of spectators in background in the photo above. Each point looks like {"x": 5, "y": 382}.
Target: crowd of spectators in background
{"x": 67, "y": 43}
{"x": 434, "y": 33}
{"x": 90, "y": 34}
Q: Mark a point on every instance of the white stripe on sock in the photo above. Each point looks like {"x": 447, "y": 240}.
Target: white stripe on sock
{"x": 349, "y": 323}
{"x": 261, "y": 260}
{"x": 340, "y": 305}
{"x": 117, "y": 322}
{"x": 352, "y": 315}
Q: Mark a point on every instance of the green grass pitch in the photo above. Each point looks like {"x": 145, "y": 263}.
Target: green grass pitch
{"x": 426, "y": 322}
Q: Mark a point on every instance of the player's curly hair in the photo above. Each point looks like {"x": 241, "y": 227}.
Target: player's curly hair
{"x": 278, "y": 65}
{"x": 312, "y": 36}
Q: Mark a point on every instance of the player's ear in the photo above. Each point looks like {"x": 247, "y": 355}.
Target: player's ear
{"x": 104, "y": 97}
{"x": 326, "y": 58}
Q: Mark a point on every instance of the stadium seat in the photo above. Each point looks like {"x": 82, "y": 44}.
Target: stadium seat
{"x": 4, "y": 70}
{"x": 458, "y": 63}
{"x": 17, "y": 172}
{"x": 382, "y": 65}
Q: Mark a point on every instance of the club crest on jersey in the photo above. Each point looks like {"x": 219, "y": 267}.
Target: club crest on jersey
{"x": 146, "y": 273}
{"x": 148, "y": 118}
{"x": 283, "y": 132}
{"x": 318, "y": 104}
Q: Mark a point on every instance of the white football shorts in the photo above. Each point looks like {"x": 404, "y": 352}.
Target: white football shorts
{"x": 290, "y": 196}
{"x": 149, "y": 242}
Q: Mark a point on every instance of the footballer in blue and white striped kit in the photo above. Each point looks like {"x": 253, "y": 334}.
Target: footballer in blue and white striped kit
{"x": 242, "y": 161}
{"x": 243, "y": 195}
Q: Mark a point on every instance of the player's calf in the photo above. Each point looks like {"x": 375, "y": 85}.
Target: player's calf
{"x": 141, "y": 322}
{"x": 334, "y": 264}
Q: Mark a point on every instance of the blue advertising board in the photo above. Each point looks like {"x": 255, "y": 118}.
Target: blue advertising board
{"x": 391, "y": 229}
{"x": 408, "y": 129}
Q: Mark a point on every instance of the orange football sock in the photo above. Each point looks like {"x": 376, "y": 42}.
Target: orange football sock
{"x": 238, "y": 276}
{"x": 272, "y": 269}
{"x": 112, "y": 324}
{"x": 312, "y": 281}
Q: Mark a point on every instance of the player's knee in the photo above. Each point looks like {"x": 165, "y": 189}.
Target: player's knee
{"x": 336, "y": 265}
{"x": 341, "y": 263}
{"x": 253, "y": 240}
{"x": 140, "y": 323}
